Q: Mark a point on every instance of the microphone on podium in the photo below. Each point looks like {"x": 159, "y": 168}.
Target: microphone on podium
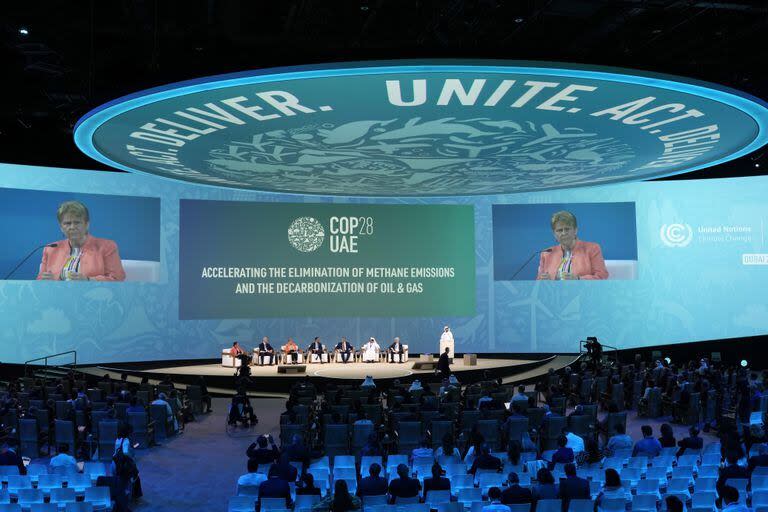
{"x": 9, "y": 274}
{"x": 527, "y": 262}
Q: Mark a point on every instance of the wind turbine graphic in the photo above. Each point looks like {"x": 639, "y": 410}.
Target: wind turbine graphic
{"x": 535, "y": 305}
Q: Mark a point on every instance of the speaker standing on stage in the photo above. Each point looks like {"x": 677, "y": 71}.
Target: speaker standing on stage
{"x": 571, "y": 258}
{"x": 396, "y": 348}
{"x": 371, "y": 351}
{"x": 316, "y": 348}
{"x": 81, "y": 257}
{"x": 443, "y": 364}
{"x": 292, "y": 349}
{"x": 265, "y": 349}
{"x": 345, "y": 349}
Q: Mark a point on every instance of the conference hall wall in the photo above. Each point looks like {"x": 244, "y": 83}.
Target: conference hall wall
{"x": 686, "y": 261}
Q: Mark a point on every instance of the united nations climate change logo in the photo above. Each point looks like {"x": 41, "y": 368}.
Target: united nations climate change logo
{"x": 676, "y": 235}
{"x": 306, "y": 234}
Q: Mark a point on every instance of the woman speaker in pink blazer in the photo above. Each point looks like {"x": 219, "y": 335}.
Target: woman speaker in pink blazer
{"x": 80, "y": 257}
{"x": 571, "y": 258}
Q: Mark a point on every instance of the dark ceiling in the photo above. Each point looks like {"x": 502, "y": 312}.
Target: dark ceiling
{"x": 78, "y": 54}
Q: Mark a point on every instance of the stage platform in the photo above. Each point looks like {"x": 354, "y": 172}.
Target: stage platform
{"x": 266, "y": 381}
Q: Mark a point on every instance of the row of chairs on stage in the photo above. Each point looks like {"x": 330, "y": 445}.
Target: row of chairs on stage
{"x": 280, "y": 357}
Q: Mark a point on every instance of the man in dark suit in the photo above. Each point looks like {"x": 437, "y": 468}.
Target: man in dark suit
{"x": 404, "y": 486}
{"x": 485, "y": 461}
{"x": 395, "y": 349}
{"x": 373, "y": 484}
{"x": 9, "y": 457}
{"x": 444, "y": 363}
{"x": 438, "y": 482}
{"x": 275, "y": 487}
{"x": 572, "y": 487}
{"x": 515, "y": 494}
{"x": 260, "y": 453}
{"x": 345, "y": 349}
{"x": 693, "y": 441}
{"x": 285, "y": 470}
{"x": 316, "y": 348}
{"x": 266, "y": 350}
{"x": 731, "y": 470}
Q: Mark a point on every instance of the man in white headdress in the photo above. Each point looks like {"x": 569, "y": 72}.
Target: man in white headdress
{"x": 371, "y": 351}
{"x": 446, "y": 340}
{"x": 368, "y": 383}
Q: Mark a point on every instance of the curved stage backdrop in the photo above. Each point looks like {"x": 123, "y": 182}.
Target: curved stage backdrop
{"x": 686, "y": 261}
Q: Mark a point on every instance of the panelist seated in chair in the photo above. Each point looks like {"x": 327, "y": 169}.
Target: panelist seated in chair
{"x": 266, "y": 350}
{"x": 370, "y": 351}
{"x": 396, "y": 350}
{"x": 291, "y": 349}
{"x": 345, "y": 350}
{"x": 315, "y": 349}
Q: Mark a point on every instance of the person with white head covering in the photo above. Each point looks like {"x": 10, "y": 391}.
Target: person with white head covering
{"x": 447, "y": 335}
{"x": 368, "y": 383}
{"x": 446, "y": 341}
{"x": 371, "y": 351}
{"x": 452, "y": 380}
{"x": 415, "y": 386}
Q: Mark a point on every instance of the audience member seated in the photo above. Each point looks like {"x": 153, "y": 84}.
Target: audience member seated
{"x": 575, "y": 442}
{"x": 730, "y": 497}
{"x": 306, "y": 486}
{"x": 437, "y": 482}
{"x": 261, "y": 453}
{"x": 339, "y": 501}
{"x": 674, "y": 504}
{"x": 693, "y": 441}
{"x": 447, "y": 448}
{"x": 592, "y": 453}
{"x": 545, "y": 488}
{"x": 648, "y": 446}
{"x": 404, "y": 486}
{"x": 612, "y": 488}
{"x": 619, "y": 441}
{"x": 667, "y": 439}
{"x": 485, "y": 461}
{"x": 9, "y": 457}
{"x": 285, "y": 470}
{"x": 573, "y": 487}
{"x": 297, "y": 451}
{"x": 251, "y": 478}
{"x": 515, "y": 494}
{"x": 275, "y": 487}
{"x": 494, "y": 495}
{"x": 63, "y": 458}
{"x": 760, "y": 460}
{"x": 173, "y": 424}
{"x": 372, "y": 446}
{"x": 732, "y": 469}
{"x": 423, "y": 450}
{"x": 563, "y": 454}
{"x": 373, "y": 484}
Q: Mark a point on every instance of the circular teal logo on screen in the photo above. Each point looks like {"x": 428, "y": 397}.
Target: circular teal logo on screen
{"x": 424, "y": 128}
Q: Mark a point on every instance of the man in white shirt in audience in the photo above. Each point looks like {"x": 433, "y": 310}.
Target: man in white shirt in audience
{"x": 494, "y": 494}
{"x": 63, "y": 458}
{"x": 575, "y": 442}
{"x": 620, "y": 440}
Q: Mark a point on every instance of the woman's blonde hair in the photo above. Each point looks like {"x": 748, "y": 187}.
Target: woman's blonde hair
{"x": 75, "y": 208}
{"x": 564, "y": 217}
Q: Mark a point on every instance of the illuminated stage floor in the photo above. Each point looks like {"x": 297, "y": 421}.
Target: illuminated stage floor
{"x": 266, "y": 381}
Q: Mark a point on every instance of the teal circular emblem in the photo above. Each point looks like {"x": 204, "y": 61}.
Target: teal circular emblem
{"x": 439, "y": 128}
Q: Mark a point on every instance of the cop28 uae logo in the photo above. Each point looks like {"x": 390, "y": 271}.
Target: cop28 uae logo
{"x": 426, "y": 128}
{"x": 676, "y": 235}
{"x": 306, "y": 234}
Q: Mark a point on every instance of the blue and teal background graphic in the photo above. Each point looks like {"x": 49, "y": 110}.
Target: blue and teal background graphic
{"x": 29, "y": 221}
{"x": 519, "y": 230}
{"x": 434, "y": 128}
{"x": 694, "y": 292}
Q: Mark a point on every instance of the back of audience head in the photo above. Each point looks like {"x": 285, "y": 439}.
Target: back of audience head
{"x": 544, "y": 476}
{"x": 612, "y": 478}
{"x": 562, "y": 441}
{"x": 666, "y": 430}
{"x": 512, "y": 478}
{"x": 494, "y": 493}
{"x": 437, "y": 470}
{"x": 308, "y": 479}
{"x": 646, "y": 430}
{"x": 374, "y": 470}
{"x": 675, "y": 505}
{"x": 402, "y": 471}
{"x": 619, "y": 428}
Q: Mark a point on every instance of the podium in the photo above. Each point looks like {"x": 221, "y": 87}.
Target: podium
{"x": 449, "y": 344}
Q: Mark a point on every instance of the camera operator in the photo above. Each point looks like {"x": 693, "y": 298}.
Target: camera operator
{"x": 240, "y": 410}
